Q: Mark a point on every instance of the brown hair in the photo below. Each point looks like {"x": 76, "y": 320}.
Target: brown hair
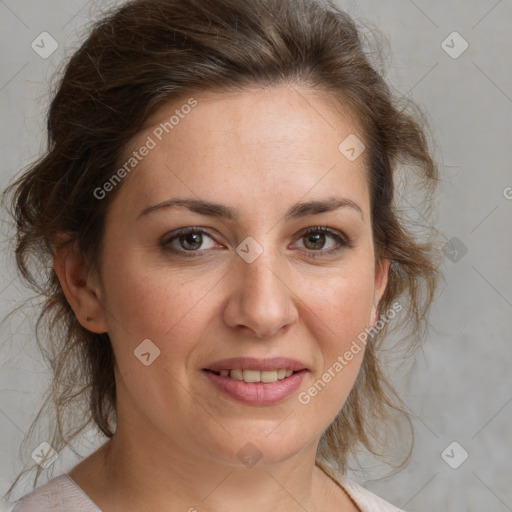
{"x": 150, "y": 51}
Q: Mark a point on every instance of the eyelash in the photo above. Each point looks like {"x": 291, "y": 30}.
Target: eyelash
{"x": 343, "y": 242}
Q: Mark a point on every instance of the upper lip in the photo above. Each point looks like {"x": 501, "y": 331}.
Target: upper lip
{"x": 254, "y": 363}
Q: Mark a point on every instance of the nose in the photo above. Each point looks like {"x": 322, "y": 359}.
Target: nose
{"x": 261, "y": 301}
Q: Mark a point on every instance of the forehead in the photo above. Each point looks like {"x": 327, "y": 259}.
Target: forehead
{"x": 261, "y": 140}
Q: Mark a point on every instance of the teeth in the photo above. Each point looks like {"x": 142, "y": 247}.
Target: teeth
{"x": 253, "y": 375}
{"x": 256, "y": 375}
{"x": 236, "y": 374}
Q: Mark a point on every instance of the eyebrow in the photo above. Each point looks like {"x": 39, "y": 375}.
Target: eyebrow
{"x": 211, "y": 209}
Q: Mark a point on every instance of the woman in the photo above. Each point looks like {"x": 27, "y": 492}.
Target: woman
{"x": 217, "y": 201}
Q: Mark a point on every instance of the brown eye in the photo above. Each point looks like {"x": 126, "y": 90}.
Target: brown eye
{"x": 315, "y": 239}
{"x": 191, "y": 241}
{"x": 188, "y": 240}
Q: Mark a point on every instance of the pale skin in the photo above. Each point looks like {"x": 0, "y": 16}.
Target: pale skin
{"x": 177, "y": 437}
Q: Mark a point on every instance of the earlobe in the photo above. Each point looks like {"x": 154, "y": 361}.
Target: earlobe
{"x": 80, "y": 288}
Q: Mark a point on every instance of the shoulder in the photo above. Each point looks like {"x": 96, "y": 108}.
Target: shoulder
{"x": 60, "y": 494}
{"x": 366, "y": 500}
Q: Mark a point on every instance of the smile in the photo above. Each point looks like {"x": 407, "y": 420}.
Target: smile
{"x": 256, "y": 375}
{"x": 256, "y": 387}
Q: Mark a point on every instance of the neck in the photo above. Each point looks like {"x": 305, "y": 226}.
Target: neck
{"x": 149, "y": 476}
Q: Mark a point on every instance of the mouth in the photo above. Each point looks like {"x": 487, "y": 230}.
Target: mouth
{"x": 250, "y": 376}
{"x": 256, "y": 381}
{"x": 252, "y": 369}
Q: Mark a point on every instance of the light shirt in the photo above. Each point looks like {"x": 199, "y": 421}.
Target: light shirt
{"x": 62, "y": 494}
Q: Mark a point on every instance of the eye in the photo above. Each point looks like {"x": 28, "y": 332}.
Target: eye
{"x": 188, "y": 240}
{"x": 315, "y": 238}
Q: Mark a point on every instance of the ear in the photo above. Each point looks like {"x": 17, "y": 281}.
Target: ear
{"x": 82, "y": 289}
{"x": 381, "y": 281}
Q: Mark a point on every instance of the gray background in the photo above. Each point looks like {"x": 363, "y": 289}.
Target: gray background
{"x": 460, "y": 387}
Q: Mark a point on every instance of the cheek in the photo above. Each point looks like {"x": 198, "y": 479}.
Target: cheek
{"x": 167, "y": 309}
{"x": 160, "y": 304}
{"x": 341, "y": 305}
{"x": 340, "y": 313}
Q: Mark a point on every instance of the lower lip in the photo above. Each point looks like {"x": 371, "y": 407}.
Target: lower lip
{"x": 257, "y": 393}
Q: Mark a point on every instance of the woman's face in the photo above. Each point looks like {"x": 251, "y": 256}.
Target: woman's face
{"x": 251, "y": 284}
